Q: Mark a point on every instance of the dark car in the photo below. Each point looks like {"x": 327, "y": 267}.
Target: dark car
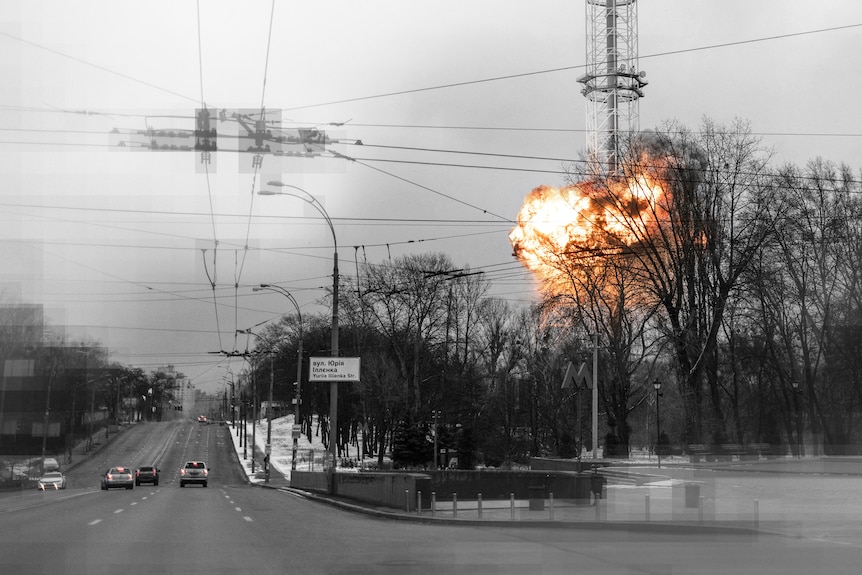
{"x": 118, "y": 477}
{"x": 194, "y": 472}
{"x": 147, "y": 474}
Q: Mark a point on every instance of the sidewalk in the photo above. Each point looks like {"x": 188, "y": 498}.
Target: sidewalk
{"x": 87, "y": 446}
{"x": 795, "y": 498}
{"x": 623, "y": 507}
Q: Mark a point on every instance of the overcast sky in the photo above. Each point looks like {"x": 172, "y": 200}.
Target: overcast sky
{"x": 113, "y": 240}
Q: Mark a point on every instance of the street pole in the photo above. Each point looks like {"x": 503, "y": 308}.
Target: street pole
{"x": 435, "y": 439}
{"x": 268, "y": 450}
{"x": 796, "y": 410}
{"x": 580, "y": 428}
{"x": 92, "y": 415}
{"x": 253, "y": 416}
{"x": 595, "y": 410}
{"x": 333, "y": 385}
{"x": 46, "y": 422}
{"x": 232, "y": 403}
{"x": 657, "y": 386}
{"x": 298, "y": 399}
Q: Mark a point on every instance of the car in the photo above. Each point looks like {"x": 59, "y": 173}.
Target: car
{"x": 202, "y": 419}
{"x": 119, "y": 476}
{"x": 147, "y": 474}
{"x": 194, "y": 472}
{"x": 51, "y": 480}
{"x": 50, "y": 464}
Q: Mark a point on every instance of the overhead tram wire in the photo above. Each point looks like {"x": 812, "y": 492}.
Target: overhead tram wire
{"x": 568, "y": 68}
{"x": 395, "y": 126}
{"x": 773, "y": 173}
{"x": 432, "y": 190}
{"x": 257, "y": 163}
{"x": 97, "y": 66}
{"x": 448, "y": 85}
{"x": 205, "y": 161}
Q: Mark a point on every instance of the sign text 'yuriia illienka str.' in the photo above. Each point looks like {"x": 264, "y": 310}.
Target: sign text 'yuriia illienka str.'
{"x": 333, "y": 369}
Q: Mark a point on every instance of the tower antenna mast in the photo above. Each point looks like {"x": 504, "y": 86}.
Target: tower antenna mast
{"x": 613, "y": 82}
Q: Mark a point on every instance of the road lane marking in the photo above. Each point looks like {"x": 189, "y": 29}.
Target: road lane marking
{"x": 94, "y": 522}
{"x": 238, "y": 508}
{"x": 133, "y": 503}
{"x": 248, "y": 519}
{"x": 118, "y": 511}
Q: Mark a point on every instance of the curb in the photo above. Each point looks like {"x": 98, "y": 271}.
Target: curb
{"x": 655, "y": 526}
{"x": 642, "y": 526}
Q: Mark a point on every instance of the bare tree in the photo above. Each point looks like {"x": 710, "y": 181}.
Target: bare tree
{"x": 809, "y": 294}
{"x": 696, "y": 208}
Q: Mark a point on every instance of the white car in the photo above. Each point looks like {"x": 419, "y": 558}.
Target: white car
{"x": 51, "y": 480}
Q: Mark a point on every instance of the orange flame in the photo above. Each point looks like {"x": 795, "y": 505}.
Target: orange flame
{"x": 555, "y": 224}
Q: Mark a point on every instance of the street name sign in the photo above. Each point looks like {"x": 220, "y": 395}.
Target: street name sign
{"x": 333, "y": 369}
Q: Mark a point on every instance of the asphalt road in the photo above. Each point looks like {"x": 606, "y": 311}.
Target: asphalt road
{"x": 232, "y": 527}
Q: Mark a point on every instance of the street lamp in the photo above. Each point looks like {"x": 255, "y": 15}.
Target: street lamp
{"x": 657, "y": 386}
{"x": 254, "y": 403}
{"x": 232, "y": 395}
{"x": 333, "y": 385}
{"x": 298, "y": 399}
{"x": 436, "y": 448}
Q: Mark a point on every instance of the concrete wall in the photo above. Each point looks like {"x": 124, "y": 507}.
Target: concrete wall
{"x": 501, "y": 484}
{"x": 310, "y": 480}
{"x": 550, "y": 464}
{"x": 397, "y": 490}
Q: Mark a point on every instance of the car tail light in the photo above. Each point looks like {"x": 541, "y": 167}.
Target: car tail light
{"x": 182, "y": 471}
{"x": 137, "y": 473}
{"x": 110, "y": 477}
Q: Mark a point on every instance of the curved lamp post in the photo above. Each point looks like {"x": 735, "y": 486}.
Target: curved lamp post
{"x": 298, "y": 399}
{"x": 254, "y": 403}
{"x": 333, "y": 385}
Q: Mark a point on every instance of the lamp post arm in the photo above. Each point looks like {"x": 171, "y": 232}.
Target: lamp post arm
{"x": 298, "y": 398}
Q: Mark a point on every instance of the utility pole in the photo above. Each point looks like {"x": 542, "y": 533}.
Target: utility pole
{"x": 269, "y": 415}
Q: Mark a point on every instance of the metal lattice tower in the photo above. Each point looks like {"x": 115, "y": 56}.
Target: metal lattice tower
{"x": 613, "y": 84}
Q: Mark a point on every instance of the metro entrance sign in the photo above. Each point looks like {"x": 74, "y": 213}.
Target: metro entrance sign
{"x": 333, "y": 369}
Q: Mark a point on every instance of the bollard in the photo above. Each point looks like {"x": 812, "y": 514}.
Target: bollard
{"x": 646, "y": 505}
{"x": 512, "y": 505}
{"x": 407, "y": 500}
{"x": 454, "y": 505}
{"x": 479, "y": 500}
{"x": 700, "y": 509}
{"x": 551, "y": 504}
{"x": 419, "y": 502}
{"x": 598, "y": 503}
{"x": 433, "y": 503}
